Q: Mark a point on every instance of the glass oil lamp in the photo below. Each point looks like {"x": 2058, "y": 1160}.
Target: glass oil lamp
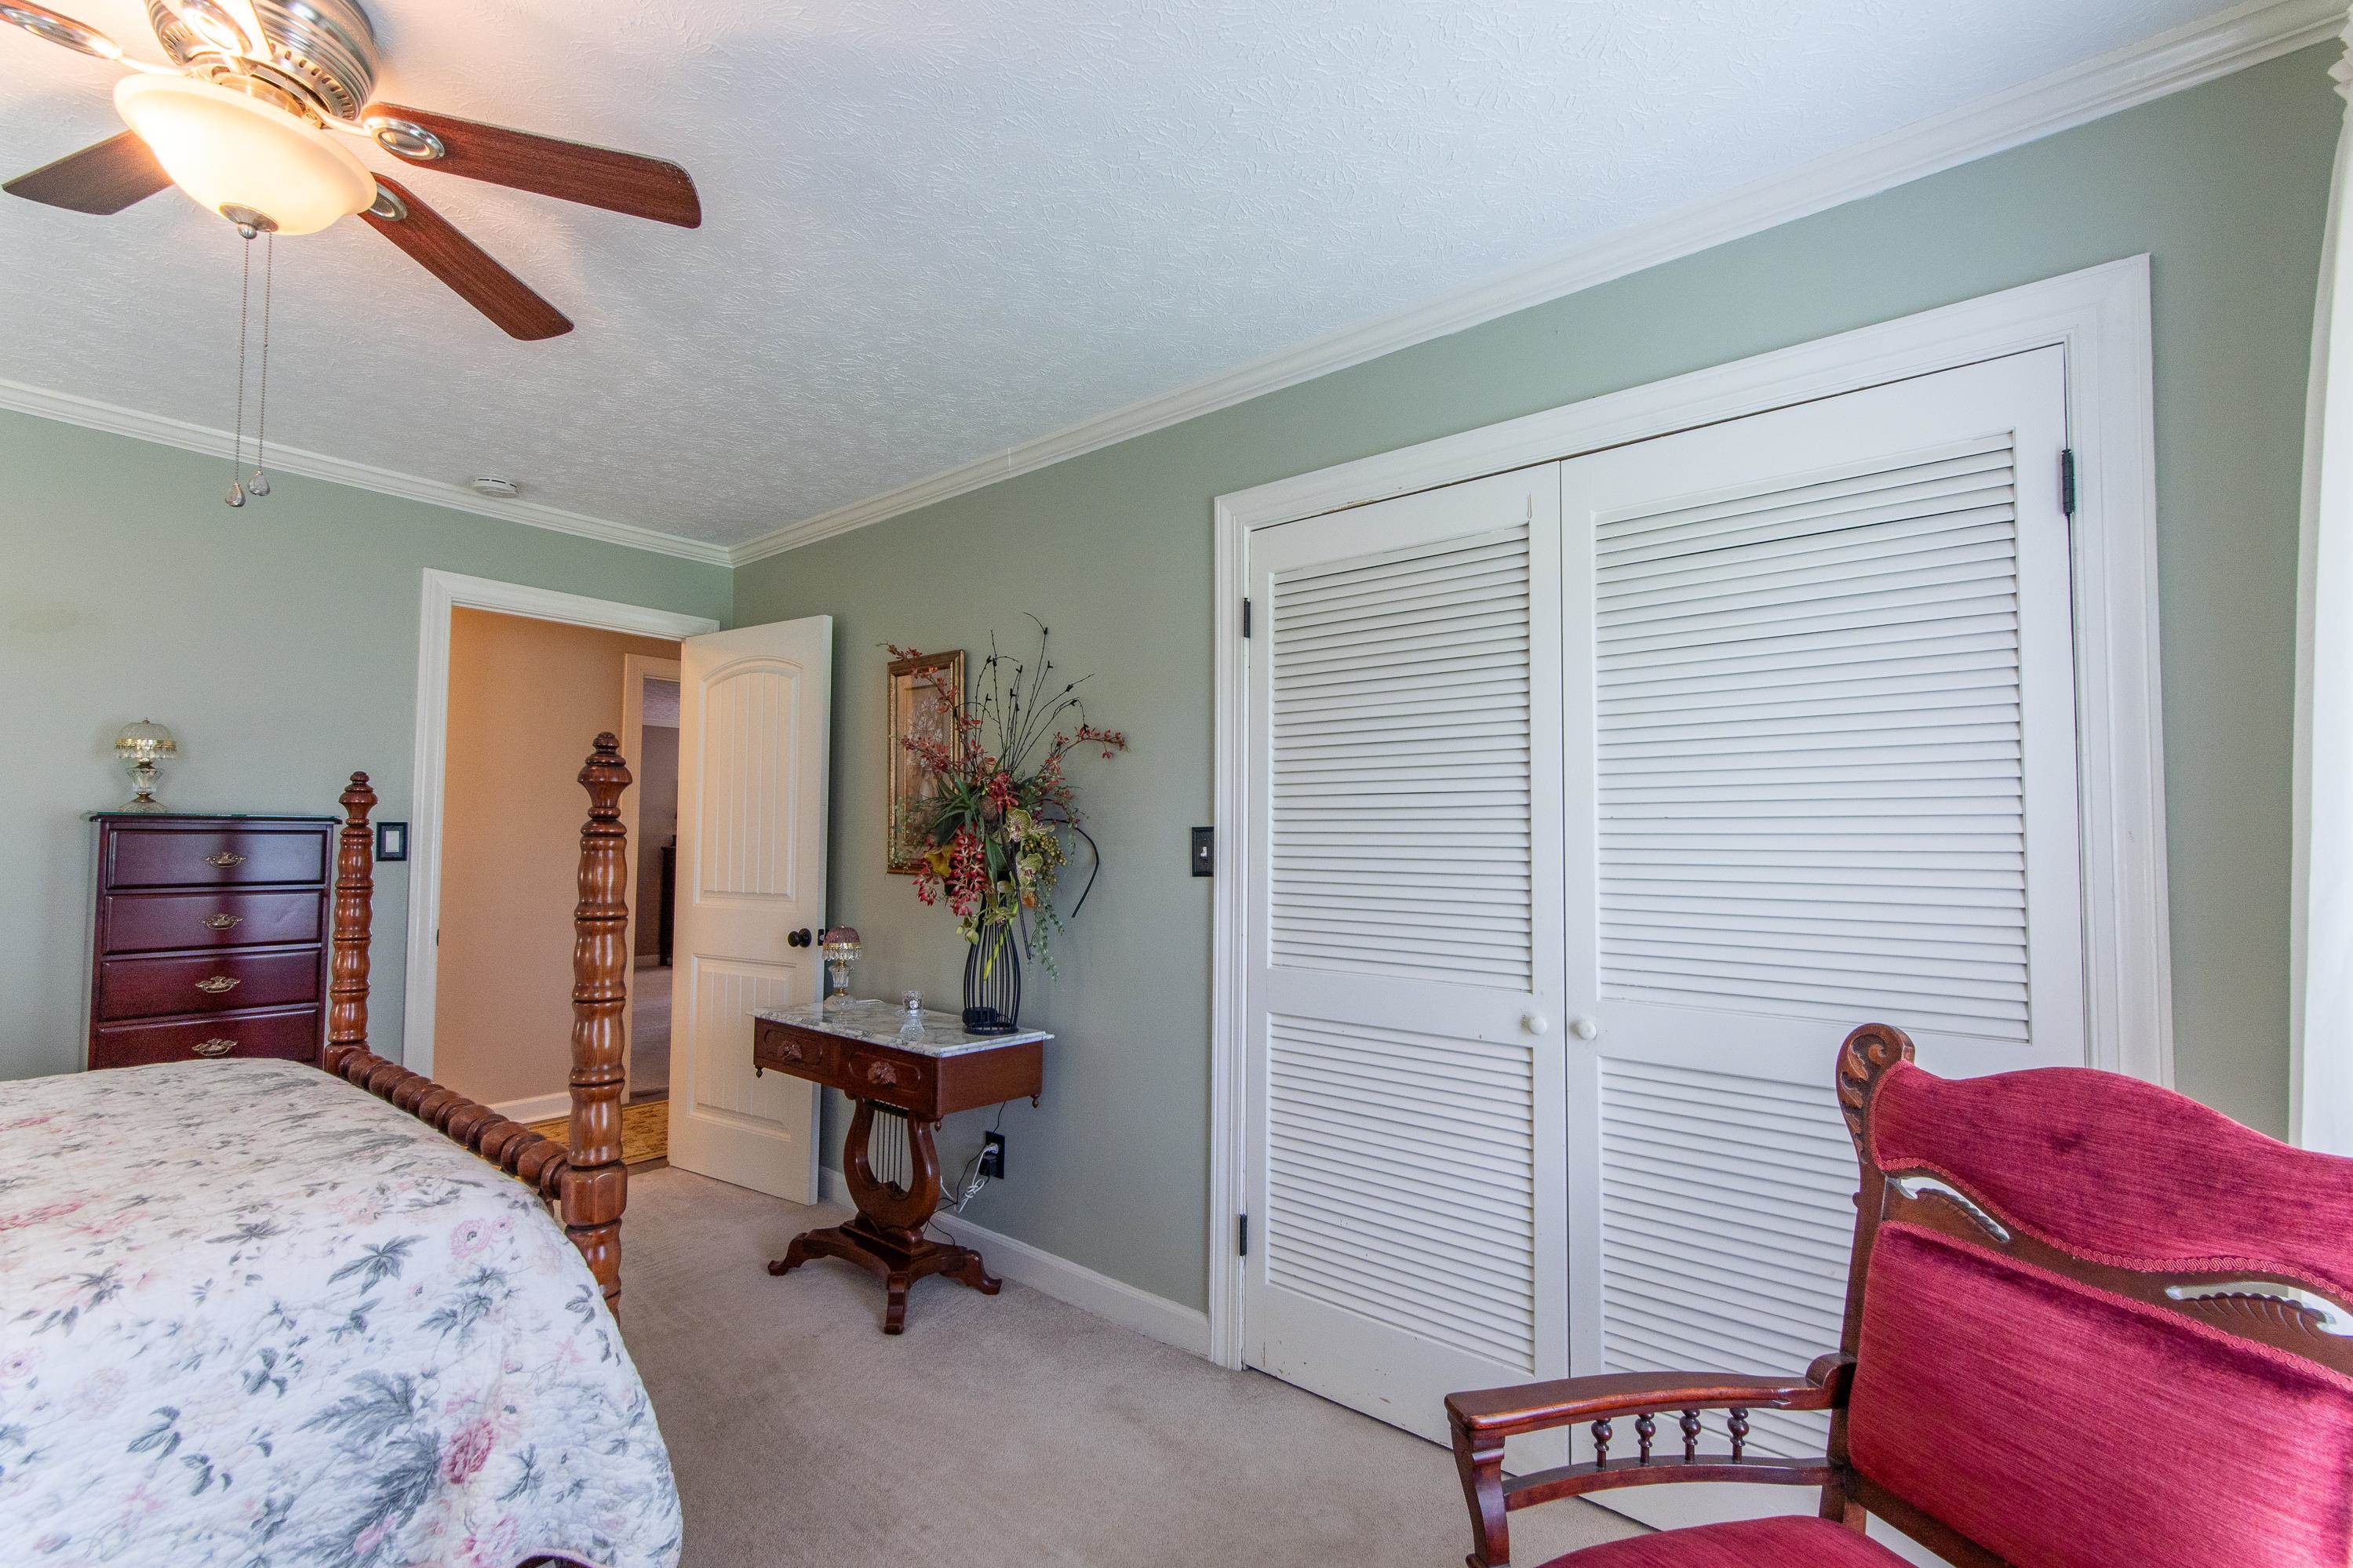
{"x": 142, "y": 746}
{"x": 840, "y": 947}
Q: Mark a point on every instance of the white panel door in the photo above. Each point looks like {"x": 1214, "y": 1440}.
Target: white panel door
{"x": 1820, "y": 770}
{"x": 1404, "y": 1178}
{"x": 754, "y": 726}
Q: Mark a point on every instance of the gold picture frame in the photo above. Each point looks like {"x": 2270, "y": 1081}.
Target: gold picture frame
{"x": 926, "y": 695}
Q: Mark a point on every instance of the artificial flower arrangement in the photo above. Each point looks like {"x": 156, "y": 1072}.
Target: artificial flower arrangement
{"x": 999, "y": 802}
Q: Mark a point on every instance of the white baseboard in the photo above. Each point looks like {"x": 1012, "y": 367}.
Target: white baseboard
{"x": 1115, "y": 1301}
{"x": 538, "y": 1107}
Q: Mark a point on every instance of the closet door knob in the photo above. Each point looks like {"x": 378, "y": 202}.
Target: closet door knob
{"x": 1585, "y": 1028}
{"x": 800, "y": 938}
{"x": 1535, "y": 1023}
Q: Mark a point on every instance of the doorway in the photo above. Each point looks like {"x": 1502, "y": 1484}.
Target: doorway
{"x": 650, "y": 813}
{"x": 526, "y": 696}
{"x": 446, "y": 595}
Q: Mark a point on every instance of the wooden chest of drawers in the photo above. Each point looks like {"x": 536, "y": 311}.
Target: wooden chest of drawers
{"x": 209, "y": 938}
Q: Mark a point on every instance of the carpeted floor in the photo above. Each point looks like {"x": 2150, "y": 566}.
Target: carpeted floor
{"x": 1015, "y": 1431}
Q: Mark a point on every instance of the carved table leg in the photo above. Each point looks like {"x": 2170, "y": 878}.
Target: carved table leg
{"x": 970, "y": 1272}
{"x": 886, "y": 1236}
{"x": 895, "y": 1286}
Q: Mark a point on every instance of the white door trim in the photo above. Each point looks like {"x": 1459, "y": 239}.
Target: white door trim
{"x": 2100, "y": 316}
{"x": 445, "y": 592}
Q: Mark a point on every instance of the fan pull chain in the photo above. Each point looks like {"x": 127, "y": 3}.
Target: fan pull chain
{"x": 259, "y": 484}
{"x": 235, "y": 493}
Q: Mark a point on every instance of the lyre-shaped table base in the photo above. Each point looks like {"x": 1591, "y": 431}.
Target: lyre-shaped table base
{"x": 886, "y": 1235}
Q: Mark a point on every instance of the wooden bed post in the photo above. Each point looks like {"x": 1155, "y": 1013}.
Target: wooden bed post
{"x": 587, "y": 1182}
{"x": 347, "y": 988}
{"x": 596, "y": 1183}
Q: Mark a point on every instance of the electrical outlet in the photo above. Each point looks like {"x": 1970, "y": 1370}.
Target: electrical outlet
{"x": 992, "y": 1155}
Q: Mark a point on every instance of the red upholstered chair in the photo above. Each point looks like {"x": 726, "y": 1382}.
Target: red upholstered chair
{"x": 2089, "y": 1323}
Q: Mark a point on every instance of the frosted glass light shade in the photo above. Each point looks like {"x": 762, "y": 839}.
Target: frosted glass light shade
{"x": 226, "y": 150}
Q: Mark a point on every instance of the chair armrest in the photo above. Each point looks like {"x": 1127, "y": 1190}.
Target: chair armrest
{"x": 1481, "y": 1420}
{"x": 1535, "y": 1407}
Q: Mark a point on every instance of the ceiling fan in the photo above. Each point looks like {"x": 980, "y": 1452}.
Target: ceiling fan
{"x": 246, "y": 121}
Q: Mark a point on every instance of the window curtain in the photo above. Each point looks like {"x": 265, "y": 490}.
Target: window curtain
{"x": 2321, "y": 957}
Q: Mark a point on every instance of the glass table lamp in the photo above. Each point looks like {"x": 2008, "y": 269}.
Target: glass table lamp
{"x": 840, "y": 947}
{"x": 142, "y": 746}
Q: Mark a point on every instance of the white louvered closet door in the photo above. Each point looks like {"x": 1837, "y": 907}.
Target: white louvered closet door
{"x": 1820, "y": 770}
{"x": 1405, "y": 1180}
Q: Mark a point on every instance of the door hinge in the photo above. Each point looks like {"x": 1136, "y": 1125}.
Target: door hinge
{"x": 1241, "y": 1234}
{"x": 1246, "y": 618}
{"x": 2067, "y": 481}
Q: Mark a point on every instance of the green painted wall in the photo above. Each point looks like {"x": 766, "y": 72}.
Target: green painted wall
{"x": 2224, "y": 185}
{"x": 278, "y": 642}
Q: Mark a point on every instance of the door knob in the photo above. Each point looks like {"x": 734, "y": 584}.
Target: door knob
{"x": 800, "y": 938}
{"x": 1535, "y": 1023}
{"x": 1584, "y": 1028}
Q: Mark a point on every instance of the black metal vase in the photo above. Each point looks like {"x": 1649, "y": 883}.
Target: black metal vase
{"x": 992, "y": 983}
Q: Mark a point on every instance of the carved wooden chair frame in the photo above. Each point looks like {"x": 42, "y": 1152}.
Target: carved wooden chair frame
{"x": 2298, "y": 1315}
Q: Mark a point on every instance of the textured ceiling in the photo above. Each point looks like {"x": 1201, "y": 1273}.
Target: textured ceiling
{"x": 932, "y": 230}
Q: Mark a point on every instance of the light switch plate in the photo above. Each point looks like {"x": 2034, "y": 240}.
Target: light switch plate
{"x": 1205, "y": 852}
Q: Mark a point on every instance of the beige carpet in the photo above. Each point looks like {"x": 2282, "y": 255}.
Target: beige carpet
{"x": 1016, "y": 1432}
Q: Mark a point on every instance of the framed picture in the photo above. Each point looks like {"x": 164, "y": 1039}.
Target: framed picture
{"x": 927, "y": 694}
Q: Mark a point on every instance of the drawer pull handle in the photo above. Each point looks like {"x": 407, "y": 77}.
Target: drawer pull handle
{"x": 217, "y": 984}
{"x": 222, "y": 922}
{"x": 882, "y": 1072}
{"x": 224, "y": 860}
{"x": 218, "y": 1046}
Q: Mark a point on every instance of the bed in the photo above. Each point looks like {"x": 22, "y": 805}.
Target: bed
{"x": 250, "y": 1317}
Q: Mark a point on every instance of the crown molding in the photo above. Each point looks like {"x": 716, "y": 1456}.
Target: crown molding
{"x": 116, "y": 420}
{"x": 2228, "y": 41}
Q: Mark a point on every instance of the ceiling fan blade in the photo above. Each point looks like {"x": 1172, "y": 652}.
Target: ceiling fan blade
{"x": 102, "y": 179}
{"x": 44, "y": 23}
{"x": 569, "y": 171}
{"x": 434, "y": 244}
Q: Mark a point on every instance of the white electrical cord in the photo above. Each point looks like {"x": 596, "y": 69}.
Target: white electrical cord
{"x": 969, "y": 1185}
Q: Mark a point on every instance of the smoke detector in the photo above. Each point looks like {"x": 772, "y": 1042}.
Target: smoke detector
{"x": 496, "y": 489}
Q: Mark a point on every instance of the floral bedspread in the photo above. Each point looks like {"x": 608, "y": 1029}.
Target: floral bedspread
{"x": 251, "y": 1317}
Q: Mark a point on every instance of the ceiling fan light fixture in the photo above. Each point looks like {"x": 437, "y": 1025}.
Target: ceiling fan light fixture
{"x": 227, "y": 150}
